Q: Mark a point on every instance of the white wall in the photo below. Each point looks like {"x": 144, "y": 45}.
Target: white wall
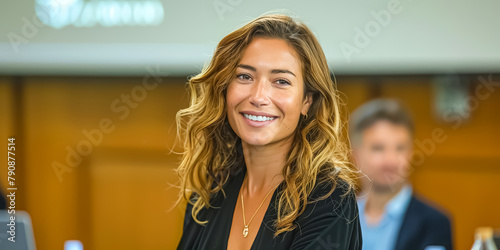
{"x": 422, "y": 36}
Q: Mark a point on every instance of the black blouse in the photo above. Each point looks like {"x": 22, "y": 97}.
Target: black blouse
{"x": 332, "y": 223}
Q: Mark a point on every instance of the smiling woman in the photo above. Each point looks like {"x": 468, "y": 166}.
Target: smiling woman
{"x": 266, "y": 94}
{"x": 265, "y": 163}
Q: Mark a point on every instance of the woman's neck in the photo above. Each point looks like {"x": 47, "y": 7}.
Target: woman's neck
{"x": 265, "y": 165}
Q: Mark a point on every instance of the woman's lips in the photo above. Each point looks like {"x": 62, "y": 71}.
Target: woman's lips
{"x": 257, "y": 124}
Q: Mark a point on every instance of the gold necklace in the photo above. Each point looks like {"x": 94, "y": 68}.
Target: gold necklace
{"x": 245, "y": 230}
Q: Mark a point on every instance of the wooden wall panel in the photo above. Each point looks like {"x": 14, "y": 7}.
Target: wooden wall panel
{"x": 461, "y": 174}
{"x": 58, "y": 109}
{"x": 6, "y": 128}
{"x": 131, "y": 200}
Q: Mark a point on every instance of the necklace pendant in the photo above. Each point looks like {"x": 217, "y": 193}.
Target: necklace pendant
{"x": 245, "y": 231}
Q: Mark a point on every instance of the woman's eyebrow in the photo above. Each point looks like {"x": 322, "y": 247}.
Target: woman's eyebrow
{"x": 277, "y": 71}
{"x": 274, "y": 71}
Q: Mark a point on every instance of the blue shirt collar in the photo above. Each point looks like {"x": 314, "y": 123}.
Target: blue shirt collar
{"x": 396, "y": 207}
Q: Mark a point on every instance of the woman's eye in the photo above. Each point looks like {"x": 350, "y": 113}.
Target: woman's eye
{"x": 244, "y": 77}
{"x": 377, "y": 148}
{"x": 283, "y": 82}
{"x": 401, "y": 148}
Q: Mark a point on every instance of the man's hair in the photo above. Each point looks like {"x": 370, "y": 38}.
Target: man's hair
{"x": 377, "y": 110}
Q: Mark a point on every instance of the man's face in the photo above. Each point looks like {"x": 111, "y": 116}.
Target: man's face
{"x": 383, "y": 154}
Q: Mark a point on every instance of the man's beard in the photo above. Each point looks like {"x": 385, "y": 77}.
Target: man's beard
{"x": 385, "y": 188}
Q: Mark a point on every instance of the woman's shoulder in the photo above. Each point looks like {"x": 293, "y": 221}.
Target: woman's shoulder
{"x": 330, "y": 217}
{"x": 332, "y": 190}
{"x": 216, "y": 200}
{"x": 233, "y": 179}
{"x": 326, "y": 207}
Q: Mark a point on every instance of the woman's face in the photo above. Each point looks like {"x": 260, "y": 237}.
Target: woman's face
{"x": 265, "y": 99}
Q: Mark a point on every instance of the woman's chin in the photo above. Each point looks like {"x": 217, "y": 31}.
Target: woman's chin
{"x": 253, "y": 141}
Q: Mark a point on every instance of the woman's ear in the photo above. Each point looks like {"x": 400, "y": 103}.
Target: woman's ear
{"x": 307, "y": 103}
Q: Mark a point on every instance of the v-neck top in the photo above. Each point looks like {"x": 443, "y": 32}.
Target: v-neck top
{"x": 332, "y": 223}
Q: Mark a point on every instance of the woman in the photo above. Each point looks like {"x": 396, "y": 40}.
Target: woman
{"x": 265, "y": 165}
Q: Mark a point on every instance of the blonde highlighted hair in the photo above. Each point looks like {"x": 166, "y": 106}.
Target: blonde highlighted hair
{"x": 319, "y": 153}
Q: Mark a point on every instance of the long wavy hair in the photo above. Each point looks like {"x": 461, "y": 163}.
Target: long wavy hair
{"x": 320, "y": 150}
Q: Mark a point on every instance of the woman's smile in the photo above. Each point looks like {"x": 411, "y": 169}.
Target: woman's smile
{"x": 258, "y": 121}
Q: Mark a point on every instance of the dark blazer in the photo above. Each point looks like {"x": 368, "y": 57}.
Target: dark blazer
{"x": 423, "y": 226}
{"x": 332, "y": 223}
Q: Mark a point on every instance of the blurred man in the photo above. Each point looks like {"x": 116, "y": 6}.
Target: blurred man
{"x": 391, "y": 216}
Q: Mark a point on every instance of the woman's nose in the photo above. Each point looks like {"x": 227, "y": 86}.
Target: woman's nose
{"x": 259, "y": 93}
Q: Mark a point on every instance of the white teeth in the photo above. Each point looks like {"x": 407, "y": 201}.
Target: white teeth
{"x": 258, "y": 118}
